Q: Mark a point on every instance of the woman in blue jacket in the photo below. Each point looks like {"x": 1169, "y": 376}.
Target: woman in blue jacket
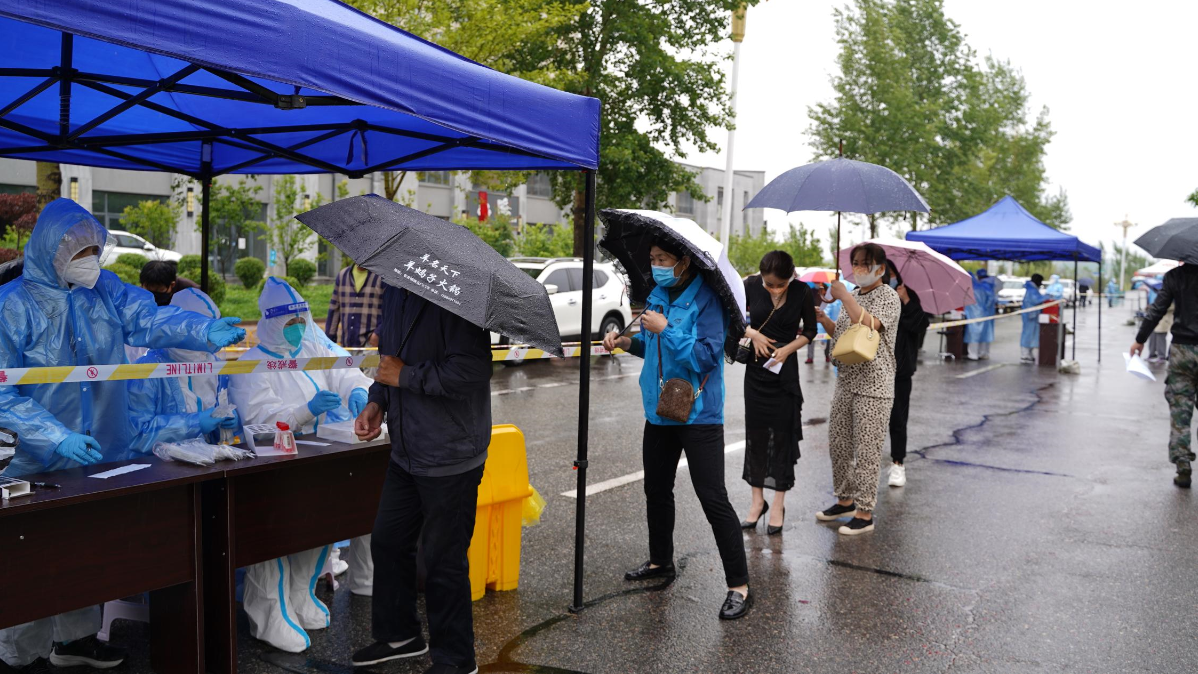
{"x": 683, "y": 331}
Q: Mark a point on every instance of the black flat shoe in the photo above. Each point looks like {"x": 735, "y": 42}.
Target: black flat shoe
{"x": 772, "y": 530}
{"x": 645, "y": 572}
{"x": 753, "y": 525}
{"x": 735, "y": 606}
{"x": 1182, "y": 479}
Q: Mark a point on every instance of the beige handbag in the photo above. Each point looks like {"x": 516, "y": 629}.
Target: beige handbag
{"x": 858, "y": 344}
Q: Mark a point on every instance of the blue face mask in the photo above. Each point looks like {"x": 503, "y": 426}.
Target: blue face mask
{"x": 664, "y": 276}
{"x": 294, "y": 334}
{"x": 894, "y": 283}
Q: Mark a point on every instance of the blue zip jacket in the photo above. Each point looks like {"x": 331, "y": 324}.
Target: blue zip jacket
{"x": 692, "y": 347}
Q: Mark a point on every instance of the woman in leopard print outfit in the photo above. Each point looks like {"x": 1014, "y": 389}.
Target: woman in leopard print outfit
{"x": 860, "y": 414}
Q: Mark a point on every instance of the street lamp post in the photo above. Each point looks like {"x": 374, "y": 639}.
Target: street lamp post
{"x": 1126, "y": 225}
{"x": 738, "y": 36}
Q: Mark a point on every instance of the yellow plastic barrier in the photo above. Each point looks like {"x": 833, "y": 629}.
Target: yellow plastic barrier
{"x": 503, "y": 497}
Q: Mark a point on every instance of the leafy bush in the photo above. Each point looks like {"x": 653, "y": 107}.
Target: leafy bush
{"x": 250, "y": 271}
{"x": 7, "y": 254}
{"x": 189, "y": 266}
{"x": 127, "y": 273}
{"x": 216, "y": 285}
{"x": 133, "y": 260}
{"x": 302, "y": 270}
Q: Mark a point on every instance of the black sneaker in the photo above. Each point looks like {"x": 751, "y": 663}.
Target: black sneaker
{"x": 836, "y": 512}
{"x": 380, "y": 652}
{"x": 857, "y": 526}
{"x": 440, "y": 668}
{"x": 39, "y": 666}
{"x": 88, "y": 651}
{"x": 1182, "y": 479}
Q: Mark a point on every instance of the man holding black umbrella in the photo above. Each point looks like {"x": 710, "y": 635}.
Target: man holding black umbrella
{"x": 435, "y": 394}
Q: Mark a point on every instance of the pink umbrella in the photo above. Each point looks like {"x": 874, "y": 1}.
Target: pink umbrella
{"x": 818, "y": 276}
{"x": 942, "y": 284}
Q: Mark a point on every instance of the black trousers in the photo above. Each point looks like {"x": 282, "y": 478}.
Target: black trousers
{"x": 440, "y": 512}
{"x": 704, "y": 447}
{"x": 898, "y": 419}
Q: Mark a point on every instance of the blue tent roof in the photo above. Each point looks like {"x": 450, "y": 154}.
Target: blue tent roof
{"x": 150, "y": 82}
{"x": 1005, "y": 231}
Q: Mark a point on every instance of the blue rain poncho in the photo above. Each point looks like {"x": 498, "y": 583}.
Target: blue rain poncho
{"x": 1055, "y": 289}
{"x": 1030, "y": 338}
{"x": 168, "y": 410}
{"x": 985, "y": 294}
{"x": 40, "y": 316}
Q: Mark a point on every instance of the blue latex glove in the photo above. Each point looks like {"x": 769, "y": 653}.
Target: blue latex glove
{"x": 324, "y": 401}
{"x": 80, "y": 448}
{"x": 224, "y": 332}
{"x": 209, "y": 423}
{"x": 357, "y": 401}
{"x": 232, "y": 422}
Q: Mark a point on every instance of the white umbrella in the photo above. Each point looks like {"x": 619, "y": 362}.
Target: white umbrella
{"x": 941, "y": 283}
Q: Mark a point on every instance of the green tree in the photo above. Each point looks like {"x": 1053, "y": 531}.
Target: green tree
{"x": 496, "y": 232}
{"x": 153, "y": 220}
{"x": 288, "y": 235}
{"x": 1193, "y": 198}
{"x": 745, "y": 252}
{"x": 912, "y": 96}
{"x": 234, "y": 208}
{"x": 546, "y": 241}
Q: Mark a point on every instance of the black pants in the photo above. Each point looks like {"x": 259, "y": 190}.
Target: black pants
{"x": 440, "y": 512}
{"x": 704, "y": 446}
{"x": 898, "y": 418}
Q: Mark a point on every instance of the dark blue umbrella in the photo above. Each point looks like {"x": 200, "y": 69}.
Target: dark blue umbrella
{"x": 1177, "y": 239}
{"x": 840, "y": 185}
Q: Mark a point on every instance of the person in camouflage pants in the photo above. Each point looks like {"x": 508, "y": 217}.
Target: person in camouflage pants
{"x": 1181, "y": 391}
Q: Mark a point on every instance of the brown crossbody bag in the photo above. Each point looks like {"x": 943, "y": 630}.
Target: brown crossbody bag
{"x": 678, "y": 396}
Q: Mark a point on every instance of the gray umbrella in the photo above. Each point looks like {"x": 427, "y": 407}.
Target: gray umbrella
{"x": 1177, "y": 239}
{"x": 840, "y": 185}
{"x": 441, "y": 262}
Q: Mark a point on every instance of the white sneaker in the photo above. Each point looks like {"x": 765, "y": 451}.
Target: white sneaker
{"x": 898, "y": 475}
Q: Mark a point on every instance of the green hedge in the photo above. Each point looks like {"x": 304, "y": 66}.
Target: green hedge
{"x": 125, "y": 272}
{"x": 189, "y": 266}
{"x": 217, "y": 288}
{"x": 302, "y": 271}
{"x": 250, "y": 271}
{"x": 133, "y": 260}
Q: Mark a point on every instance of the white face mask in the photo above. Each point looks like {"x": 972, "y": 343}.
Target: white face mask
{"x": 871, "y": 277}
{"x": 83, "y": 272}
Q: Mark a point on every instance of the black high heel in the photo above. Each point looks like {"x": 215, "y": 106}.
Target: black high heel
{"x": 771, "y": 530}
{"x": 746, "y": 524}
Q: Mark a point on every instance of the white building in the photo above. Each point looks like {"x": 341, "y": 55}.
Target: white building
{"x": 106, "y": 192}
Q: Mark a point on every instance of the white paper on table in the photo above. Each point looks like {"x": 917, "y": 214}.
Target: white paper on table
{"x": 1137, "y": 366}
{"x": 774, "y": 366}
{"x": 310, "y": 442}
{"x": 121, "y": 471}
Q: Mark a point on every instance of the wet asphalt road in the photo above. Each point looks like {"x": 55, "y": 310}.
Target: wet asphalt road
{"x": 1039, "y": 532}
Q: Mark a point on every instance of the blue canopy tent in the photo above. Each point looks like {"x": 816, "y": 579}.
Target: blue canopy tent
{"x": 1007, "y": 231}
{"x": 278, "y": 87}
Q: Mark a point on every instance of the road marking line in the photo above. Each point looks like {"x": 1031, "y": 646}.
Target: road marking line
{"x": 988, "y": 368}
{"x": 639, "y": 475}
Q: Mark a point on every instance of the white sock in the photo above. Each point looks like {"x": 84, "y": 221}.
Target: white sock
{"x": 397, "y": 644}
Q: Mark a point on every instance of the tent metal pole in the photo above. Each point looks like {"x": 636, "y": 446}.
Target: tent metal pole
{"x": 1076, "y": 295}
{"x": 1099, "y": 293}
{"x": 584, "y": 388}
{"x": 64, "y": 85}
{"x": 205, "y": 200}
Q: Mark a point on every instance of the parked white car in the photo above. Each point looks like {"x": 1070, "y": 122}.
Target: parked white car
{"x": 120, "y": 243}
{"x": 1011, "y": 292}
{"x": 562, "y": 278}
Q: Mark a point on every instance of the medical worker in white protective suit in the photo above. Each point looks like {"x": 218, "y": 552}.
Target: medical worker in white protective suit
{"x": 280, "y": 595}
{"x": 181, "y": 408}
{"x": 65, "y": 311}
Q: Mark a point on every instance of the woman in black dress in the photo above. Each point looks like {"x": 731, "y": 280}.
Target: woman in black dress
{"x": 782, "y": 321}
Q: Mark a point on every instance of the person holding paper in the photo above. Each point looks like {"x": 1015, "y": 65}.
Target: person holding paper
{"x": 280, "y": 596}
{"x": 65, "y": 311}
{"x": 1179, "y": 291}
{"x": 1029, "y": 339}
{"x": 979, "y": 336}
{"x": 782, "y": 321}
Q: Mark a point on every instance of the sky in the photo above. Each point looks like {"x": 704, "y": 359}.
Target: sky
{"x": 1117, "y": 80}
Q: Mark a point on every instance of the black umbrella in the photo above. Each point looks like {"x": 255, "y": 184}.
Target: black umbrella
{"x": 1177, "y": 239}
{"x": 441, "y": 262}
{"x": 630, "y": 234}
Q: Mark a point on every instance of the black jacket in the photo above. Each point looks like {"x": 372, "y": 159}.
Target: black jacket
{"x": 439, "y": 417}
{"x": 912, "y": 328}
{"x": 1180, "y": 288}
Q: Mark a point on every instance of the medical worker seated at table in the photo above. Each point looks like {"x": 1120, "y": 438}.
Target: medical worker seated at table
{"x": 1029, "y": 340}
{"x": 65, "y": 311}
{"x": 280, "y": 594}
{"x": 180, "y": 408}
